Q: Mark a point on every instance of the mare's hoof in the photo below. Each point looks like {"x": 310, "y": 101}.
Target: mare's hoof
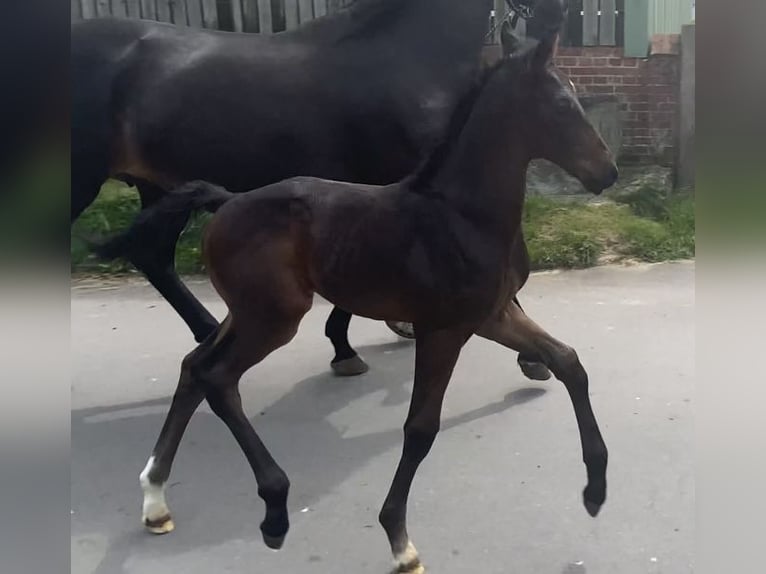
{"x": 160, "y": 525}
{"x": 350, "y": 367}
{"x": 534, "y": 371}
{"x": 273, "y": 542}
{"x": 404, "y": 330}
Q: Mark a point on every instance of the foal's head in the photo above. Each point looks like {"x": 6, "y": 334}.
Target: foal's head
{"x": 554, "y": 124}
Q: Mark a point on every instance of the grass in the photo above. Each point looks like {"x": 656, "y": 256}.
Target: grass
{"x": 643, "y": 225}
{"x": 113, "y": 211}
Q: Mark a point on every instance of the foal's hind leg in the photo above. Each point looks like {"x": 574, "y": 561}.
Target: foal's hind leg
{"x": 213, "y": 371}
{"x": 517, "y": 331}
{"x": 346, "y": 362}
{"x": 435, "y": 357}
{"x": 189, "y": 394}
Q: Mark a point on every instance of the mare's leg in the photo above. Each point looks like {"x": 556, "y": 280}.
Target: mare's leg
{"x": 212, "y": 372}
{"x": 435, "y": 357}
{"x": 154, "y": 255}
{"x": 517, "y": 331}
{"x": 346, "y": 362}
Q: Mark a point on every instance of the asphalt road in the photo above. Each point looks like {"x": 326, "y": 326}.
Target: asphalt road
{"x": 500, "y": 492}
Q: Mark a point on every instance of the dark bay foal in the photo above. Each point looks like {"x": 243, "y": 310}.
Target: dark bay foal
{"x": 435, "y": 250}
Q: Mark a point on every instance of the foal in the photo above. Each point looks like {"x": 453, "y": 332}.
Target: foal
{"x": 433, "y": 250}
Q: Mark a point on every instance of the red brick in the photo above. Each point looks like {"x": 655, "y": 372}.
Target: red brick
{"x": 602, "y": 89}
{"x": 566, "y": 61}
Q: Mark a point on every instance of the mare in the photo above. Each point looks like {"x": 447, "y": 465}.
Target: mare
{"x": 361, "y": 95}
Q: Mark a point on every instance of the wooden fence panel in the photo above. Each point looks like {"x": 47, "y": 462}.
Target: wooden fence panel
{"x": 499, "y": 9}
{"x": 608, "y": 29}
{"x": 133, "y": 8}
{"x": 250, "y": 15}
{"x": 291, "y": 14}
{"x": 179, "y": 12}
{"x": 590, "y": 23}
{"x": 306, "y": 10}
{"x": 148, "y": 9}
{"x": 320, "y": 8}
{"x": 210, "y": 14}
{"x": 521, "y": 28}
{"x": 87, "y": 9}
{"x": 246, "y": 15}
{"x": 119, "y": 8}
{"x": 103, "y": 9}
{"x": 164, "y": 12}
{"x": 236, "y": 14}
{"x": 265, "y": 17}
{"x": 194, "y": 13}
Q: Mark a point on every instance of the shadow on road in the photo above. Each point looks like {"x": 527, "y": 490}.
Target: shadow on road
{"x": 110, "y": 447}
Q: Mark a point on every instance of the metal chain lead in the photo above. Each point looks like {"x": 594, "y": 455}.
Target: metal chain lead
{"x": 524, "y": 9}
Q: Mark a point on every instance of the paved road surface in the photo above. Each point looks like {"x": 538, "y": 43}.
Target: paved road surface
{"x": 500, "y": 492}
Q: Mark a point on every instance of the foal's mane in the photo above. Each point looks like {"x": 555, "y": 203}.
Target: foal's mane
{"x": 420, "y": 180}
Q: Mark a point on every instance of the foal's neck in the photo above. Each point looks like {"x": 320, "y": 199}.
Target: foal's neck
{"x": 484, "y": 175}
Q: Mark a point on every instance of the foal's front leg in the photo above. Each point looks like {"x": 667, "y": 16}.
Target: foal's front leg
{"x": 516, "y": 330}
{"x": 435, "y": 357}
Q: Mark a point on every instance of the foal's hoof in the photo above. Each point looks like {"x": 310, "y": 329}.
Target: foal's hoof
{"x": 404, "y": 330}
{"x": 415, "y": 568}
{"x": 161, "y": 525}
{"x": 534, "y": 371}
{"x": 350, "y": 367}
{"x": 593, "y": 501}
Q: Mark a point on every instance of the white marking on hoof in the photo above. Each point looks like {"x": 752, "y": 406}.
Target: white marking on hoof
{"x": 155, "y": 515}
{"x": 408, "y": 562}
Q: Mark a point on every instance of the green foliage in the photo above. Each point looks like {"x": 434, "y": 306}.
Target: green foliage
{"x": 644, "y": 225}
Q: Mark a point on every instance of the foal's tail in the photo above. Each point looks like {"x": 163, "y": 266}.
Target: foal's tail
{"x": 149, "y": 222}
{"x": 188, "y": 197}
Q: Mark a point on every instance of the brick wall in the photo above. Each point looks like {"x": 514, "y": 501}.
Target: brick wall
{"x": 647, "y": 89}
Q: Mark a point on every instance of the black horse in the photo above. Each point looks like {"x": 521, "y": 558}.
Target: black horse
{"x": 362, "y": 95}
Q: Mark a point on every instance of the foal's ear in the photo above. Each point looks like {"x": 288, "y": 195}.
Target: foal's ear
{"x": 544, "y": 52}
{"x": 508, "y": 40}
